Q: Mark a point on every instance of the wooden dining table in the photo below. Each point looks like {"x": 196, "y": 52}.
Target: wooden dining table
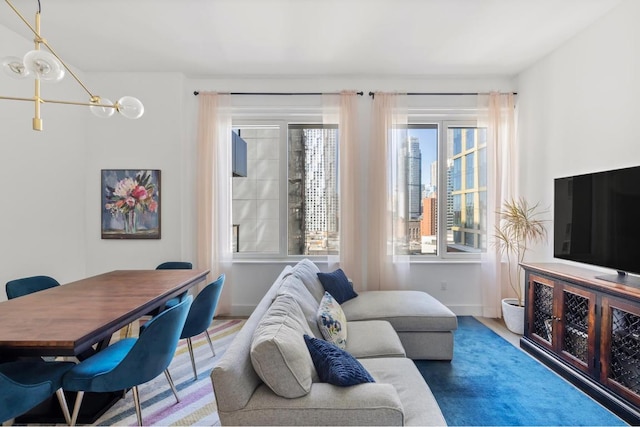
{"x": 79, "y": 318}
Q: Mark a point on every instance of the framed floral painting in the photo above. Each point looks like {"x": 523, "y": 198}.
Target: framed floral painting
{"x": 130, "y": 204}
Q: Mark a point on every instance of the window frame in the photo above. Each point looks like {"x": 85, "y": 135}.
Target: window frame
{"x": 443, "y": 124}
{"x": 283, "y": 120}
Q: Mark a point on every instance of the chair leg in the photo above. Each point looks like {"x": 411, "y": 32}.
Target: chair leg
{"x": 210, "y": 343}
{"x": 63, "y": 405}
{"x": 193, "y": 361}
{"x": 173, "y": 387}
{"x": 136, "y": 401}
{"x": 76, "y": 408}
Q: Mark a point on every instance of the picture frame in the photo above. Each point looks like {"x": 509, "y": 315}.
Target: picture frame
{"x": 130, "y": 204}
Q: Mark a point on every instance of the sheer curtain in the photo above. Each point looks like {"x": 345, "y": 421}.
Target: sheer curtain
{"x": 343, "y": 109}
{"x": 496, "y": 112}
{"x": 387, "y": 260}
{"x": 213, "y": 191}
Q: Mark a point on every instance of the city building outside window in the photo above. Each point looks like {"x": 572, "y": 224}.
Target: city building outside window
{"x": 311, "y": 188}
{"x": 288, "y": 204}
{"x": 446, "y": 169}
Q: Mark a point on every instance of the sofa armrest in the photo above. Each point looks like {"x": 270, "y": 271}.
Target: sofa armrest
{"x": 326, "y": 404}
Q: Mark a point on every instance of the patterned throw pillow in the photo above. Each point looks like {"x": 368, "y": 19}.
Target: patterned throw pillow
{"x": 338, "y": 285}
{"x": 332, "y": 321}
{"x": 336, "y": 366}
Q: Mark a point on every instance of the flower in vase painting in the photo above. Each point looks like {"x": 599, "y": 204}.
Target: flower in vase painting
{"x": 131, "y": 196}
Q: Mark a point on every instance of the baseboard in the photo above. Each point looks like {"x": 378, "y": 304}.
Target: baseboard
{"x": 466, "y": 310}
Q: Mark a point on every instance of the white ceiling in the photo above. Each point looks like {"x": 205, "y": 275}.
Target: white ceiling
{"x": 307, "y": 37}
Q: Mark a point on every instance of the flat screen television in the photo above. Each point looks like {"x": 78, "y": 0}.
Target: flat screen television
{"x": 596, "y": 221}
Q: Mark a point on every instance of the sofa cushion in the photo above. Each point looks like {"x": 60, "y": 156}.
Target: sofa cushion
{"x": 373, "y": 338}
{"x": 334, "y": 365}
{"x": 307, "y": 271}
{"x": 338, "y": 285}
{"x": 407, "y": 311}
{"x": 293, "y": 286}
{"x": 418, "y": 402}
{"x": 278, "y": 351}
{"x": 331, "y": 321}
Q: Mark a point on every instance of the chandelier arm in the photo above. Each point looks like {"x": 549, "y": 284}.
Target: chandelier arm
{"x": 86, "y": 104}
{"x": 55, "y": 101}
{"x": 12, "y": 98}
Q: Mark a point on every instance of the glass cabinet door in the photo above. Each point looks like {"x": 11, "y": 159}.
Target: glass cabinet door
{"x": 562, "y": 319}
{"x": 620, "y": 347}
{"x": 540, "y": 294}
{"x": 576, "y": 324}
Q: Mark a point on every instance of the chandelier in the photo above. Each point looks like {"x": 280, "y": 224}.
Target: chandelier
{"x": 46, "y": 65}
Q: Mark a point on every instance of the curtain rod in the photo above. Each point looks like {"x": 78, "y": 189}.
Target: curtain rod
{"x": 282, "y": 93}
{"x": 373, "y": 94}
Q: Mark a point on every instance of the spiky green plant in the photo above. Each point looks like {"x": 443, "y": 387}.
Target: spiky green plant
{"x": 520, "y": 227}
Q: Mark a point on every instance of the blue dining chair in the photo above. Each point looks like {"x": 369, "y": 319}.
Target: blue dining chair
{"x": 175, "y": 265}
{"x": 20, "y": 287}
{"x": 131, "y": 362}
{"x": 24, "y": 384}
{"x": 169, "y": 265}
{"x": 201, "y": 315}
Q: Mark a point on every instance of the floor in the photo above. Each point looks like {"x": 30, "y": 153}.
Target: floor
{"x": 498, "y": 326}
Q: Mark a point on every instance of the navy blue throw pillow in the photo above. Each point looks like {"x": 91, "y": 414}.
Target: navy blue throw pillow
{"x": 338, "y": 285}
{"x": 334, "y": 365}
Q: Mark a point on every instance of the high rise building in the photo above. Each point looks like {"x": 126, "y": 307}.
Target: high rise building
{"x": 468, "y": 188}
{"x": 414, "y": 178}
{"x": 321, "y": 195}
{"x": 429, "y": 224}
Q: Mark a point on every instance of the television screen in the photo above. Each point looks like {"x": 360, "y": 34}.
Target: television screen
{"x": 597, "y": 219}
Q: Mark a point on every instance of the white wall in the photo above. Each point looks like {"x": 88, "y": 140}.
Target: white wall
{"x": 579, "y": 107}
{"x": 155, "y": 141}
{"x": 42, "y": 175}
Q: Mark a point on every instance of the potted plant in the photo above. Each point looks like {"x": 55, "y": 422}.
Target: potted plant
{"x": 520, "y": 227}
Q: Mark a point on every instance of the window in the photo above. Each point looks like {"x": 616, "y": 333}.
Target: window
{"x": 313, "y": 190}
{"x": 288, "y": 204}
{"x": 467, "y": 231}
{"x": 295, "y": 189}
{"x": 256, "y": 212}
{"x": 450, "y": 221}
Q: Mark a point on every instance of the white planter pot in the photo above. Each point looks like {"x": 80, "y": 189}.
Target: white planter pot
{"x": 513, "y": 315}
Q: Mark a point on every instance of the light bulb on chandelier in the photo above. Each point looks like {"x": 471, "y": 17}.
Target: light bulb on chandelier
{"x": 102, "y": 107}
{"x": 14, "y": 67}
{"x": 48, "y": 66}
{"x": 44, "y": 66}
{"x": 130, "y": 107}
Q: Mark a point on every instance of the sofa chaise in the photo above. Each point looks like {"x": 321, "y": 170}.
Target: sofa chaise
{"x": 267, "y": 375}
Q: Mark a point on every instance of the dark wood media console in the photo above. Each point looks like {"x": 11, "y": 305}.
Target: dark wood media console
{"x": 588, "y": 331}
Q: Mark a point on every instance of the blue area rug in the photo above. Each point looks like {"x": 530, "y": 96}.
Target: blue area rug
{"x": 489, "y": 382}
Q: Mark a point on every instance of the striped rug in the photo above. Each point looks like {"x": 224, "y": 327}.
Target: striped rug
{"x": 197, "y": 404}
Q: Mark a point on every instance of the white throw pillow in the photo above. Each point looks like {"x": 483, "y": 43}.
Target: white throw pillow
{"x": 332, "y": 321}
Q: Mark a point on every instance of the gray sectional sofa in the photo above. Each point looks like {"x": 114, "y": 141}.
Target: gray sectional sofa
{"x": 267, "y": 376}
